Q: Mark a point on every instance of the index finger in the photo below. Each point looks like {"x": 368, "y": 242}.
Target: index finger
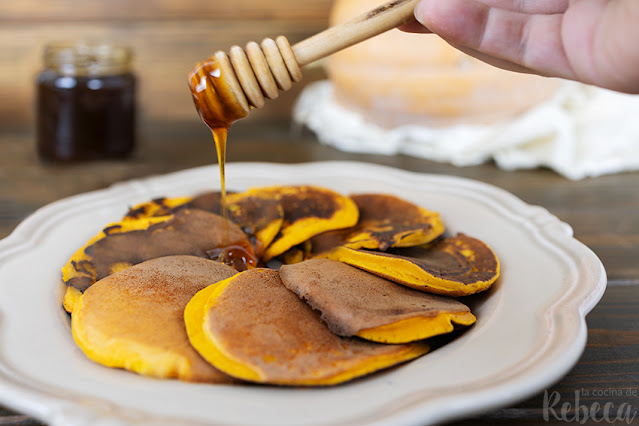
{"x": 532, "y": 41}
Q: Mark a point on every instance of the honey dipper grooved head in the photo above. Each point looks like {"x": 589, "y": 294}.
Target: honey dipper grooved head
{"x": 217, "y": 94}
{"x": 225, "y": 87}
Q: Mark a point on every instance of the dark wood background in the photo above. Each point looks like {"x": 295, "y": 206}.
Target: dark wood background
{"x": 169, "y": 36}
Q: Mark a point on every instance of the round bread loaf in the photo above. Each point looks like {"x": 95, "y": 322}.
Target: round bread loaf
{"x": 400, "y": 78}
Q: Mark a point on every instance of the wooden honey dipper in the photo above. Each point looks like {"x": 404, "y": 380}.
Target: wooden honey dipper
{"x": 225, "y": 87}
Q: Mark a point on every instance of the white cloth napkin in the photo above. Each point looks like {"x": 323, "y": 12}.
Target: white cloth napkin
{"x": 582, "y": 131}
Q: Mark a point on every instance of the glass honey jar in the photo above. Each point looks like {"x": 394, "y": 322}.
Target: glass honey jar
{"x": 86, "y": 102}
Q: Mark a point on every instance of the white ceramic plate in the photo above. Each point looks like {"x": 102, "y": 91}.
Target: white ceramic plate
{"x": 530, "y": 329}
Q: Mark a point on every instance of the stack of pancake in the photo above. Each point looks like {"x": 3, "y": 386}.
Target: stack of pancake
{"x": 292, "y": 285}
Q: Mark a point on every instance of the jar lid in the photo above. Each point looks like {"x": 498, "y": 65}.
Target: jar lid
{"x": 88, "y": 57}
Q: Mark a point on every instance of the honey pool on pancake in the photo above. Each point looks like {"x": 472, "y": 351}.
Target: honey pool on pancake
{"x": 237, "y": 256}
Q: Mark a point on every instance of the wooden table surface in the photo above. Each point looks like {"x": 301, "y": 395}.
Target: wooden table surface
{"x": 604, "y": 213}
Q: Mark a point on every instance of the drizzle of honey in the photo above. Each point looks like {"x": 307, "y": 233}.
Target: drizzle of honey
{"x": 219, "y": 136}
{"x": 216, "y": 104}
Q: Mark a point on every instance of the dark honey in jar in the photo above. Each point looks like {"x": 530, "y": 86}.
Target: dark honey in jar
{"x": 85, "y": 102}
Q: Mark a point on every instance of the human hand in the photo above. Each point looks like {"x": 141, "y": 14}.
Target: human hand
{"x": 592, "y": 41}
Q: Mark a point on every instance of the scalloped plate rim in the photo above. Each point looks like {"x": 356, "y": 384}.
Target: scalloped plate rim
{"x": 26, "y": 397}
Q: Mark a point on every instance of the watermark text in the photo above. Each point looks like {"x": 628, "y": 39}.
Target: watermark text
{"x": 576, "y": 411}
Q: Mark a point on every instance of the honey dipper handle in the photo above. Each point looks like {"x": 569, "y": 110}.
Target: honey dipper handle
{"x": 338, "y": 37}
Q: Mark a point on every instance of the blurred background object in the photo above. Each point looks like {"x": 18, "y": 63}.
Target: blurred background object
{"x": 86, "y": 102}
{"x": 399, "y": 78}
{"x": 402, "y": 93}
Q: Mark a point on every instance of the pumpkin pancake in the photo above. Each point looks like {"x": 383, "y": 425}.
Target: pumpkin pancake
{"x": 354, "y": 302}
{"x": 134, "y": 319}
{"x": 384, "y": 221}
{"x": 157, "y": 207}
{"x": 121, "y": 245}
{"x": 297, "y": 254}
{"x": 252, "y": 327}
{"x": 455, "y": 266}
{"x": 308, "y": 211}
{"x": 259, "y": 217}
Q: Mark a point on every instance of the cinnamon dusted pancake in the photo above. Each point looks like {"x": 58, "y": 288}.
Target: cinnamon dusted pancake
{"x": 455, "y": 266}
{"x": 308, "y": 211}
{"x": 253, "y": 328}
{"x": 134, "y": 320}
{"x": 121, "y": 245}
{"x": 354, "y": 302}
{"x": 384, "y": 221}
{"x": 259, "y": 217}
